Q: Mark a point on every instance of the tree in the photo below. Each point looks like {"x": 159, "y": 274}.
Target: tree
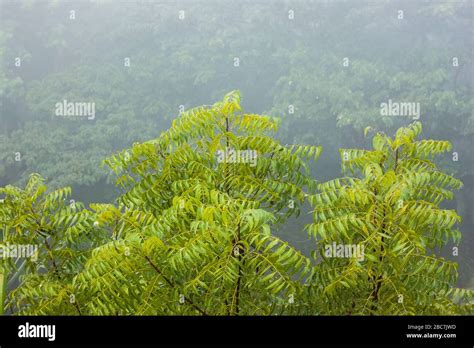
{"x": 378, "y": 232}
{"x": 45, "y": 240}
{"x": 192, "y": 232}
{"x": 210, "y": 187}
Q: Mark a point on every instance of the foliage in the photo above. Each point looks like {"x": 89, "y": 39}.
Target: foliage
{"x": 59, "y": 235}
{"x": 281, "y": 64}
{"x": 191, "y": 235}
{"x": 391, "y": 211}
{"x": 179, "y": 63}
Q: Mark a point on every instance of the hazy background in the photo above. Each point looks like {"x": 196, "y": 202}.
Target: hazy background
{"x": 324, "y": 67}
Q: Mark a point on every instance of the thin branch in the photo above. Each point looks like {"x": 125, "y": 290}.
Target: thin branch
{"x": 171, "y": 284}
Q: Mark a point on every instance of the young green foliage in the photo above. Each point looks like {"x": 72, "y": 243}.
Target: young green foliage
{"x": 50, "y": 237}
{"x": 391, "y": 211}
{"x": 207, "y": 192}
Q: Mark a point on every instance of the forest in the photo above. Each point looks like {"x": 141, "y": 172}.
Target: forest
{"x": 236, "y": 157}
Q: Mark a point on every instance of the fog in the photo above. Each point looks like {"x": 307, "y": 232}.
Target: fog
{"x": 328, "y": 69}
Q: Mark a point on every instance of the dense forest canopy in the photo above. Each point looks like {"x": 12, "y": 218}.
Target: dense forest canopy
{"x": 327, "y": 69}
